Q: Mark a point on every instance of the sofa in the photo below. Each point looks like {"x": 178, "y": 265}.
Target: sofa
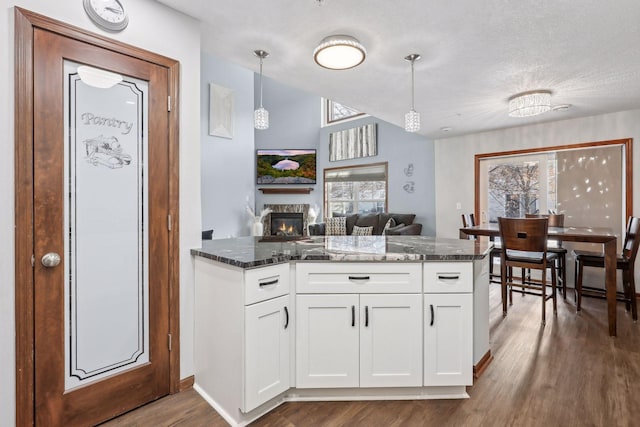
{"x": 403, "y": 224}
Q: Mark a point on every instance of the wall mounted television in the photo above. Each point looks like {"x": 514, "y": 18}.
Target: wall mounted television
{"x": 286, "y": 166}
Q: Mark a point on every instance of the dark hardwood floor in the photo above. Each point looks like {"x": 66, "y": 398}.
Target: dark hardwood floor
{"x": 568, "y": 373}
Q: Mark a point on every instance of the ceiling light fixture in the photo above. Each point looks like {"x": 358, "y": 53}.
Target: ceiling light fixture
{"x": 339, "y": 53}
{"x": 412, "y": 118}
{"x": 97, "y": 77}
{"x": 261, "y": 116}
{"x": 529, "y": 104}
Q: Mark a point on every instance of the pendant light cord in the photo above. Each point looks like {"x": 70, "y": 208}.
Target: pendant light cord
{"x": 412, "y": 87}
{"x": 261, "y": 82}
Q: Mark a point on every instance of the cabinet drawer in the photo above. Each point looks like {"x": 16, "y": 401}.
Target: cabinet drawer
{"x": 359, "y": 278}
{"x": 448, "y": 277}
{"x": 266, "y": 282}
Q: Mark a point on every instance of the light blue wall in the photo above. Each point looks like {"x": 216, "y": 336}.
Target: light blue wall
{"x": 227, "y": 165}
{"x": 294, "y": 122}
{"x": 399, "y": 149}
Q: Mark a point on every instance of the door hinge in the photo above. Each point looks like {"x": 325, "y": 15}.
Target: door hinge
{"x": 169, "y": 222}
{"x": 33, "y": 260}
{"x": 168, "y": 103}
{"x": 169, "y": 342}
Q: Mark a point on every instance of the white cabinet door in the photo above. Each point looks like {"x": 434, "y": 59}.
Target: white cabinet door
{"x": 448, "y": 340}
{"x": 391, "y": 340}
{"x": 327, "y": 341}
{"x": 266, "y": 360}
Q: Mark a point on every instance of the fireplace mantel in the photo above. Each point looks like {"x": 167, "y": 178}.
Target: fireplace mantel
{"x": 292, "y": 190}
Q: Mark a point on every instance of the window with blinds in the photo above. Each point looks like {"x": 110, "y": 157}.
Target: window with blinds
{"x": 355, "y": 189}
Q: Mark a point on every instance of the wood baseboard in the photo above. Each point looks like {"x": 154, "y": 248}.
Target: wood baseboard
{"x": 186, "y": 383}
{"x": 482, "y": 365}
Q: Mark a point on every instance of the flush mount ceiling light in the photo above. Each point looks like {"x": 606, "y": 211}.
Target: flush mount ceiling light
{"x": 529, "y": 104}
{"x": 412, "y": 118}
{"x": 261, "y": 116}
{"x": 339, "y": 53}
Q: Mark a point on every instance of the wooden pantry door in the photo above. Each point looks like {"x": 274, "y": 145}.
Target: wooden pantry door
{"x": 101, "y": 212}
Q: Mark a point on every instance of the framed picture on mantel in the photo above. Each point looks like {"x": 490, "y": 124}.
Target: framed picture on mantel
{"x": 353, "y": 143}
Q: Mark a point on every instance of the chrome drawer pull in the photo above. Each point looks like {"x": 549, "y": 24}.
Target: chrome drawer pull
{"x": 272, "y": 282}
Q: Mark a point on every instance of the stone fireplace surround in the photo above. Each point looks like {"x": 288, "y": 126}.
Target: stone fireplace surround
{"x": 287, "y": 208}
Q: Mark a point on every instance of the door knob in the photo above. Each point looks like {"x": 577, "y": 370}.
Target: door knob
{"x": 51, "y": 259}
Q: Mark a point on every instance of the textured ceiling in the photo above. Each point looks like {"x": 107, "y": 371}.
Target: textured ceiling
{"x": 475, "y": 54}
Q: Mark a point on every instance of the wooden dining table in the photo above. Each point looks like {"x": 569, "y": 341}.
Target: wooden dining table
{"x": 604, "y": 236}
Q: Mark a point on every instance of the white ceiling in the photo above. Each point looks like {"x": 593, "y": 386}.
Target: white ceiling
{"x": 475, "y": 54}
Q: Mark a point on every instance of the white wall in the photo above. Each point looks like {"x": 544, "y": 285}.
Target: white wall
{"x": 155, "y": 28}
{"x": 455, "y": 158}
{"x": 228, "y": 165}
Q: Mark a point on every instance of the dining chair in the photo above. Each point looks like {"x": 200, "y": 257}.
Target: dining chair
{"x": 468, "y": 220}
{"x": 625, "y": 262}
{"x": 524, "y": 245}
{"x": 553, "y": 246}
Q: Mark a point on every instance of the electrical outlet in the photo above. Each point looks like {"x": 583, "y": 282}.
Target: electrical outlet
{"x": 458, "y": 206}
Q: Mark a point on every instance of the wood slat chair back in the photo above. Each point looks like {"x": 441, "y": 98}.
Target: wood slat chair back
{"x": 631, "y": 239}
{"x": 524, "y": 245}
{"x": 624, "y": 262}
{"x": 556, "y": 220}
{"x": 468, "y": 220}
{"x": 528, "y": 235}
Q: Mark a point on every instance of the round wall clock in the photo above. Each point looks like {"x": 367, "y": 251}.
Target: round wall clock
{"x": 107, "y": 14}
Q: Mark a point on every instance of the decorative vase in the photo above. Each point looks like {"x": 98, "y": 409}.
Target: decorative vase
{"x": 258, "y": 229}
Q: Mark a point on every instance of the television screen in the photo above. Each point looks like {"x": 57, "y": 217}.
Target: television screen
{"x": 286, "y": 167}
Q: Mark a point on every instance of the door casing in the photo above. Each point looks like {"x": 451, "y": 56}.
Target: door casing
{"x": 25, "y": 24}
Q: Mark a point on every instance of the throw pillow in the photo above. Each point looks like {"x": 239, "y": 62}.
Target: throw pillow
{"x": 362, "y": 231}
{"x": 388, "y": 225}
{"x": 336, "y": 226}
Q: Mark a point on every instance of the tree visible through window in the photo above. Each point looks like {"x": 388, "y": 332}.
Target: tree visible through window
{"x": 516, "y": 188}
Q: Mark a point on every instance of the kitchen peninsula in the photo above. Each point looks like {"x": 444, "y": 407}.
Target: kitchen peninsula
{"x": 338, "y": 318}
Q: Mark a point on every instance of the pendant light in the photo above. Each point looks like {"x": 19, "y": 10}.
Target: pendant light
{"x": 261, "y": 116}
{"x": 412, "y": 118}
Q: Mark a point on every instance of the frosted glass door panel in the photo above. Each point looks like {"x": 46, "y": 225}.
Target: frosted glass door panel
{"x": 106, "y": 262}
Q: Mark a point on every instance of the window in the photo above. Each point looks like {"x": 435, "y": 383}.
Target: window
{"x": 355, "y": 189}
{"x": 334, "y": 112}
{"x": 590, "y": 183}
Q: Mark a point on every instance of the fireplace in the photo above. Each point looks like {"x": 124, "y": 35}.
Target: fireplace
{"x": 294, "y": 215}
{"x": 287, "y": 224}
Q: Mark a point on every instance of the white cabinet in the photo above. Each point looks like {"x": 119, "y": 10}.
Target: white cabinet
{"x": 266, "y": 350}
{"x": 327, "y": 341}
{"x": 390, "y": 340}
{"x": 352, "y": 340}
{"x": 243, "y": 331}
{"x": 448, "y": 324}
{"x": 448, "y": 341}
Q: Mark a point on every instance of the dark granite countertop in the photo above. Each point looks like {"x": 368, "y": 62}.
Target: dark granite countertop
{"x": 249, "y": 252}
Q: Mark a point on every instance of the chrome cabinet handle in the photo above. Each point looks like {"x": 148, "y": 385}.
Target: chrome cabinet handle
{"x": 50, "y": 259}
